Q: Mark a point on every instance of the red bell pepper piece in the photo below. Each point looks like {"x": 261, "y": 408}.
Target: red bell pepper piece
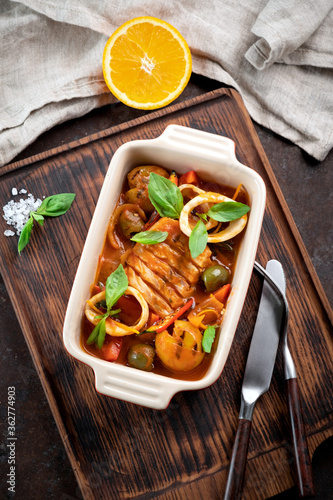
{"x": 170, "y": 319}
{"x": 190, "y": 177}
{"x": 111, "y": 348}
{"x": 95, "y": 290}
{"x": 222, "y": 293}
{"x": 153, "y": 318}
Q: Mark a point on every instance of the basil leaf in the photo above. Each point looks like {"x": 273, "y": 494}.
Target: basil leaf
{"x": 25, "y": 234}
{"x": 165, "y": 196}
{"x": 228, "y": 211}
{"x": 98, "y": 333}
{"x": 150, "y": 237}
{"x": 94, "y": 334}
{"x": 101, "y": 333}
{"x": 208, "y": 339}
{"x": 198, "y": 239}
{"x": 114, "y": 312}
{"x": 39, "y": 218}
{"x": 56, "y": 205}
{"x": 116, "y": 286}
{"x": 202, "y": 216}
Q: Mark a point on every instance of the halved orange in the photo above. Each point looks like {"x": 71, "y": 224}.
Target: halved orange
{"x": 146, "y": 63}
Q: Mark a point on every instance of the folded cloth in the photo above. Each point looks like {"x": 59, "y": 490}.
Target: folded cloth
{"x": 293, "y": 33}
{"x": 51, "y": 53}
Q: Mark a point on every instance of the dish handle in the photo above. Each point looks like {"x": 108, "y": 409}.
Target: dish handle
{"x": 179, "y": 137}
{"x": 135, "y": 386}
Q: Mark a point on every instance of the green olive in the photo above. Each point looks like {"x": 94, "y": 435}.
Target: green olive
{"x": 130, "y": 222}
{"x": 141, "y": 356}
{"x": 214, "y": 277}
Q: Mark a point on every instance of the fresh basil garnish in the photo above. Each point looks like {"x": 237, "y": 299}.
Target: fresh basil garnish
{"x": 227, "y": 211}
{"x": 25, "y": 235}
{"x": 150, "y": 237}
{"x": 39, "y": 218}
{"x": 98, "y": 334}
{"x": 165, "y": 196}
{"x": 56, "y": 205}
{"x": 198, "y": 239}
{"x": 208, "y": 339}
{"x": 53, "y": 206}
{"x": 116, "y": 286}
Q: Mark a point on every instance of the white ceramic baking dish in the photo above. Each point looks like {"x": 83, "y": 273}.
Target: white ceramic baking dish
{"x": 212, "y": 157}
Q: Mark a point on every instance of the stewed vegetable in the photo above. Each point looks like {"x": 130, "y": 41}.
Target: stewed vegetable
{"x": 130, "y": 222}
{"x": 165, "y": 273}
{"x": 214, "y": 277}
{"x": 141, "y": 356}
{"x": 138, "y": 180}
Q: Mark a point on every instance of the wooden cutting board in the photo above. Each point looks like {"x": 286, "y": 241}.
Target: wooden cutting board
{"x": 119, "y": 450}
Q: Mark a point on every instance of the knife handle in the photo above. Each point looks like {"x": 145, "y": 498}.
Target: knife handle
{"x": 238, "y": 461}
{"x": 302, "y": 458}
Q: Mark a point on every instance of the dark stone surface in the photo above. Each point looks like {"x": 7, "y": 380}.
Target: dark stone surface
{"x": 43, "y": 469}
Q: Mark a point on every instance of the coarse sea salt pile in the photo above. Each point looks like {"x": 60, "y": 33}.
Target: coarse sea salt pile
{"x": 17, "y": 213}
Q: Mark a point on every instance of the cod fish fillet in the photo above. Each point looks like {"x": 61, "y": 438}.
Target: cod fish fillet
{"x": 165, "y": 273}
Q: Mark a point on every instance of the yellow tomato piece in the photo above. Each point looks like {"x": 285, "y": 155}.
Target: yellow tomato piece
{"x": 182, "y": 350}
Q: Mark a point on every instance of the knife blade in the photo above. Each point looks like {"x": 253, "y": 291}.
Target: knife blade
{"x": 256, "y": 380}
{"x": 304, "y": 475}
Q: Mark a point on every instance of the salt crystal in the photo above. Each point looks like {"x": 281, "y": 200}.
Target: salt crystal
{"x": 17, "y": 213}
{"x": 23, "y": 191}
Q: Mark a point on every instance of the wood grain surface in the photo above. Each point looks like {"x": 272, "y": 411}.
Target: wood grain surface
{"x": 119, "y": 450}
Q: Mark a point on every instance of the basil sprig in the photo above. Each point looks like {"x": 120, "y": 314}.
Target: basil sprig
{"x": 165, "y": 196}
{"x": 150, "y": 237}
{"x": 226, "y": 211}
{"x": 115, "y": 286}
{"x": 208, "y": 339}
{"x": 168, "y": 201}
{"x": 52, "y": 206}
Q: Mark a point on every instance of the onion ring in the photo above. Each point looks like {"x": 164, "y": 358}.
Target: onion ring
{"x": 115, "y": 328}
{"x": 211, "y": 223}
{"x": 234, "y": 227}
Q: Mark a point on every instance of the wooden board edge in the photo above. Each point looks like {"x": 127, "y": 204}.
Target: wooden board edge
{"x": 83, "y": 485}
{"x": 10, "y": 167}
{"x": 299, "y": 241}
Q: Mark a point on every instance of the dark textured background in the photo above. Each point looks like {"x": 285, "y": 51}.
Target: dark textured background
{"x": 43, "y": 470}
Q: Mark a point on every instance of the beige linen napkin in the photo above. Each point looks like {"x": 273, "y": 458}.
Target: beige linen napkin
{"x": 277, "y": 54}
{"x": 293, "y": 32}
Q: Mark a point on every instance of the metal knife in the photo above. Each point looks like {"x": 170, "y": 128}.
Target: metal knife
{"x": 257, "y": 378}
{"x": 303, "y": 466}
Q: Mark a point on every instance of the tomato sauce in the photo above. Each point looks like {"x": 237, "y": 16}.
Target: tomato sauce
{"x": 222, "y": 253}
